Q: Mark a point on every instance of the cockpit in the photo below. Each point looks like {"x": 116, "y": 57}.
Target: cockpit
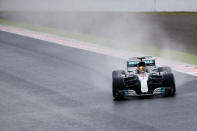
{"x": 141, "y": 68}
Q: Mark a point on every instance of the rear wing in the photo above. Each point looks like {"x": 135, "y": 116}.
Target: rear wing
{"x": 141, "y": 58}
{"x": 134, "y": 63}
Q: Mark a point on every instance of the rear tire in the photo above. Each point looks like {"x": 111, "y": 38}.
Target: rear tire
{"x": 169, "y": 82}
{"x": 166, "y": 69}
{"x": 117, "y": 83}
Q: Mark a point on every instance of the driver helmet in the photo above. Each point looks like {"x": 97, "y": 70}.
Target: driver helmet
{"x": 141, "y": 69}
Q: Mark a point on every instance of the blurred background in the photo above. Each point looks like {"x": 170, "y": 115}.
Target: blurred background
{"x": 99, "y": 5}
{"x": 166, "y": 28}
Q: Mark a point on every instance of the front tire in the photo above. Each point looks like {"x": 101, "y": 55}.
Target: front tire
{"x": 169, "y": 82}
{"x": 117, "y": 83}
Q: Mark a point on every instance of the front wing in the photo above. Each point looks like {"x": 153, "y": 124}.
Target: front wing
{"x": 129, "y": 92}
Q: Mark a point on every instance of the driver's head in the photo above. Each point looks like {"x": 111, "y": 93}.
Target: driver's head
{"x": 141, "y": 69}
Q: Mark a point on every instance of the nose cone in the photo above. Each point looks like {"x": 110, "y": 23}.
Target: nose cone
{"x": 144, "y": 86}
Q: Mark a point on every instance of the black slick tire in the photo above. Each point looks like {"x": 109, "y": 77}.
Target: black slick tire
{"x": 166, "y": 69}
{"x": 117, "y": 83}
{"x": 169, "y": 82}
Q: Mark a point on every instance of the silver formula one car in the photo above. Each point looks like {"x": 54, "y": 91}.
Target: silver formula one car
{"x": 143, "y": 78}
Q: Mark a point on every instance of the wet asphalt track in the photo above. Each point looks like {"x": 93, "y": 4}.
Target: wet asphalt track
{"x": 49, "y": 87}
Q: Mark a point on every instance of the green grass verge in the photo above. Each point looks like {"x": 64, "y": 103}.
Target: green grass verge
{"x": 174, "y": 55}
